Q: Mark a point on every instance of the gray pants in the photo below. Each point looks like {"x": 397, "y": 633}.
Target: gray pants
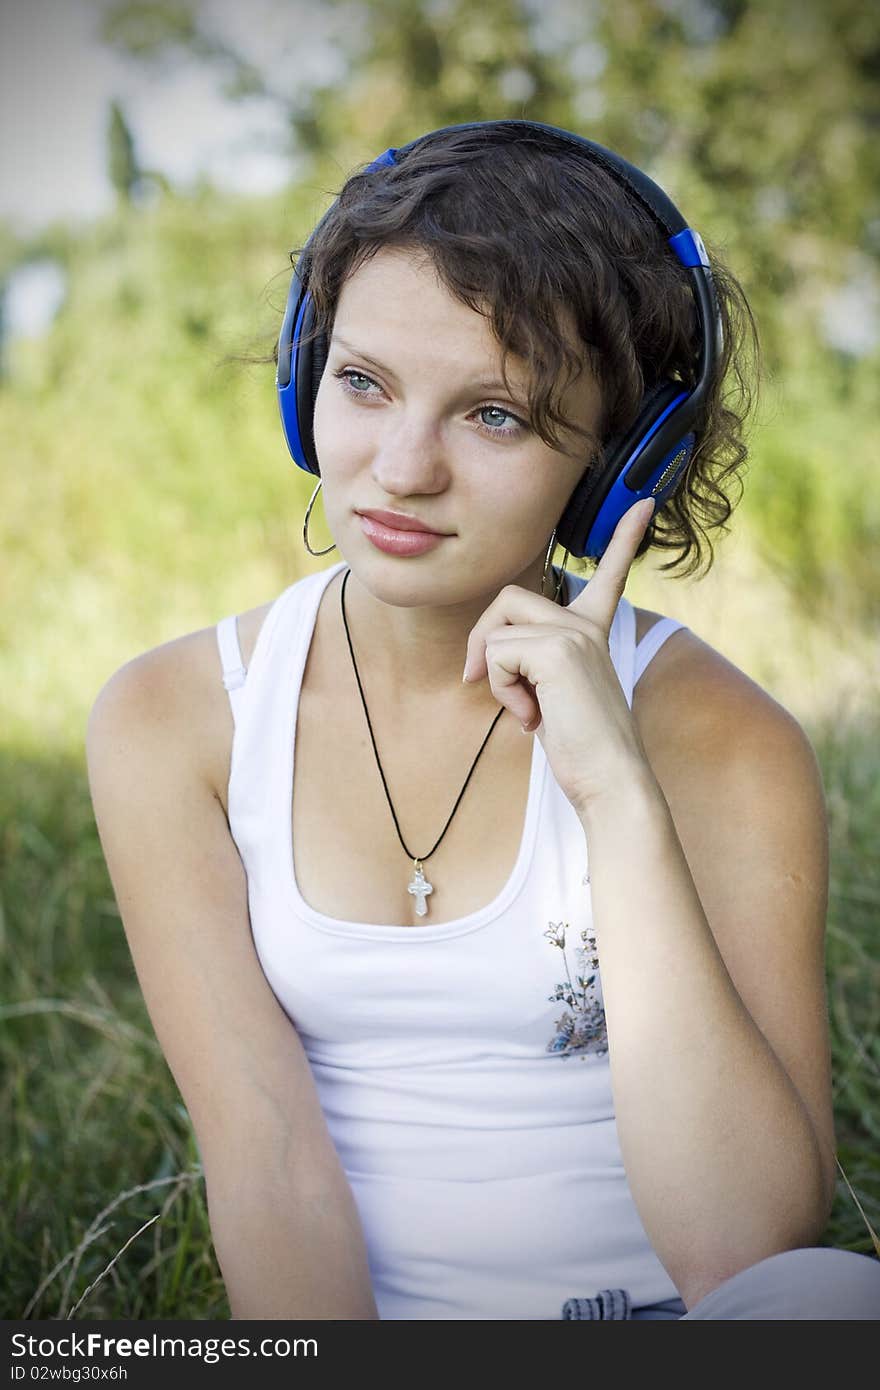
{"x": 816, "y": 1282}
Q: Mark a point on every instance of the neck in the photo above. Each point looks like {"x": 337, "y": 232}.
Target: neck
{"x": 409, "y": 652}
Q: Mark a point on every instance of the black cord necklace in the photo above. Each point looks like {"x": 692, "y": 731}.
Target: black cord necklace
{"x": 419, "y": 886}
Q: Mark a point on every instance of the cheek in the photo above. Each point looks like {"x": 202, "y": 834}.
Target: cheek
{"x": 531, "y": 493}
{"x": 512, "y": 498}
{"x": 337, "y": 445}
{"x": 513, "y": 515}
{"x": 323, "y": 422}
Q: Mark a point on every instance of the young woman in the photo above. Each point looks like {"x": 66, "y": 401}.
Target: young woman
{"x": 472, "y": 1025}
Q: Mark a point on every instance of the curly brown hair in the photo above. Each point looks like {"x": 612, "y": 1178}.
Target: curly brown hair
{"x": 519, "y": 225}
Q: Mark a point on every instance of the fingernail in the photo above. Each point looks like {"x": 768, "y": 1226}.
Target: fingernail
{"x": 465, "y": 676}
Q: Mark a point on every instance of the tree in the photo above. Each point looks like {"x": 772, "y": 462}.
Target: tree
{"x": 122, "y": 165}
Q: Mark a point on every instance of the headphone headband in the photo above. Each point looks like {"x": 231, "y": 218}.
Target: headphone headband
{"x": 646, "y": 460}
{"x": 648, "y": 193}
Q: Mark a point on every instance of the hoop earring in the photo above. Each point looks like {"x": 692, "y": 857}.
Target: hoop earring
{"x": 306, "y": 525}
{"x": 551, "y": 547}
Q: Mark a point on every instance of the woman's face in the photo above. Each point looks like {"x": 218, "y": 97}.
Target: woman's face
{"x": 412, "y": 416}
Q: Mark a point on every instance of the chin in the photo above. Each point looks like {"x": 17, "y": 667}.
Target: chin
{"x": 417, "y": 582}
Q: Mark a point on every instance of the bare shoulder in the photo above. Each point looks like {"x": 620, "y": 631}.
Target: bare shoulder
{"x": 179, "y": 685}
{"x": 692, "y": 697}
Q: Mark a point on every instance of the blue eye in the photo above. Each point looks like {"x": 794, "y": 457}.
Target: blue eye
{"x": 498, "y": 430}
{"x": 345, "y": 376}
{"x": 348, "y": 375}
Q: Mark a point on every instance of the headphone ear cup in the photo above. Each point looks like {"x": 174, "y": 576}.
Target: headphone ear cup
{"x": 313, "y": 370}
{"x": 319, "y": 363}
{"x": 578, "y": 530}
{"x": 311, "y": 358}
{"x": 619, "y": 449}
{"x": 577, "y": 519}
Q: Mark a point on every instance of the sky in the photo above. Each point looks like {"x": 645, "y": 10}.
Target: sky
{"x": 57, "y": 79}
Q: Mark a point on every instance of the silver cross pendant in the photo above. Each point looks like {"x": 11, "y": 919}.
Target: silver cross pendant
{"x": 420, "y": 888}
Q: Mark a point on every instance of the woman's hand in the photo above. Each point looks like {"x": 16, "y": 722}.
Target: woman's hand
{"x": 552, "y": 668}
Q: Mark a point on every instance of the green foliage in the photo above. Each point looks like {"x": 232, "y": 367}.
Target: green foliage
{"x": 812, "y": 490}
{"x": 148, "y": 487}
{"x": 122, "y": 163}
{"x": 146, "y": 28}
{"x": 762, "y": 117}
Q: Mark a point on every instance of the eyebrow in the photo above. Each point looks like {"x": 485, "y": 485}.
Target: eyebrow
{"x": 484, "y": 383}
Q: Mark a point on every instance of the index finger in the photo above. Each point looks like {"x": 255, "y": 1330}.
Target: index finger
{"x": 599, "y": 598}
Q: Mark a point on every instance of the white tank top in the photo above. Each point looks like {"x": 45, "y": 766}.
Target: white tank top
{"x": 463, "y": 1066}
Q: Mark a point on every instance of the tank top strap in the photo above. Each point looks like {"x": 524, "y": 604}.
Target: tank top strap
{"x": 234, "y": 669}
{"x": 630, "y": 659}
{"x": 623, "y": 646}
{"x": 651, "y": 643}
{"x": 278, "y": 641}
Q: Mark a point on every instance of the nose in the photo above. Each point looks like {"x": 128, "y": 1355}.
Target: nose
{"x": 409, "y": 457}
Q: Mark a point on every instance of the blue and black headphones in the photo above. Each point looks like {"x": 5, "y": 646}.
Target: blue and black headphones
{"x": 645, "y": 460}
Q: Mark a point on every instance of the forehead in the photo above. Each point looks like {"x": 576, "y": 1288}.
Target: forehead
{"x": 402, "y": 288}
{"x": 397, "y": 307}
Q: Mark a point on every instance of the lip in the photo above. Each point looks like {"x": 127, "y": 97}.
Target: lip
{"x": 399, "y": 521}
{"x": 394, "y": 542}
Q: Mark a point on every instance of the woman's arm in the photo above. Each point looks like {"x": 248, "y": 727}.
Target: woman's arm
{"x": 283, "y": 1218}
{"x": 285, "y": 1250}
{"x": 709, "y": 912}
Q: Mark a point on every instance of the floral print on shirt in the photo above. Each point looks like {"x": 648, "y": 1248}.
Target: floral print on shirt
{"x": 581, "y": 1029}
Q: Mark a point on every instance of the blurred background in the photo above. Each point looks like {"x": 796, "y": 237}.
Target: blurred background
{"x": 158, "y": 161}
